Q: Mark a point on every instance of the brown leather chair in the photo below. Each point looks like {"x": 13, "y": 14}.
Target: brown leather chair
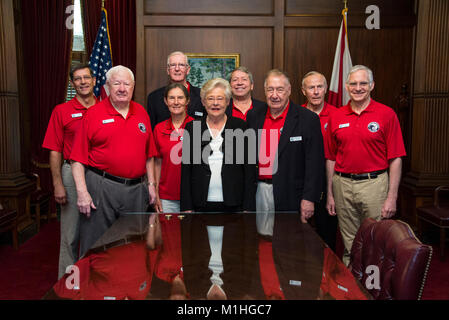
{"x": 437, "y": 215}
{"x": 8, "y": 222}
{"x": 403, "y": 261}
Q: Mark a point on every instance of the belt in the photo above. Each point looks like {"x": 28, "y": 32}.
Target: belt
{"x": 125, "y": 240}
{"x": 361, "y": 176}
{"x": 128, "y": 182}
{"x": 269, "y": 181}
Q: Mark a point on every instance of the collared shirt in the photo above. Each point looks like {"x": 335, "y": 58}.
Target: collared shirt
{"x": 364, "y": 143}
{"x": 269, "y": 142}
{"x": 324, "y": 115}
{"x": 65, "y": 121}
{"x": 117, "y": 145}
{"x": 168, "y": 143}
{"x": 239, "y": 114}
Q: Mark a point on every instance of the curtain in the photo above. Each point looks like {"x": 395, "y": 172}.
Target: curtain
{"x": 122, "y": 28}
{"x": 47, "y": 46}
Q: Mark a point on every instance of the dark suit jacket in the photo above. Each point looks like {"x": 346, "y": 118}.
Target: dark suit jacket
{"x": 300, "y": 157}
{"x": 158, "y": 110}
{"x": 257, "y": 104}
{"x": 238, "y": 176}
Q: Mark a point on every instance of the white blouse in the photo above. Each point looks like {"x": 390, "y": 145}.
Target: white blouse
{"x": 215, "y": 192}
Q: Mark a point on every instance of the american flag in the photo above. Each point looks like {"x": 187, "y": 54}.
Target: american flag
{"x": 101, "y": 58}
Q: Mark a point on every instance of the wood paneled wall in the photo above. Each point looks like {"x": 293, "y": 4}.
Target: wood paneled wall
{"x": 294, "y": 35}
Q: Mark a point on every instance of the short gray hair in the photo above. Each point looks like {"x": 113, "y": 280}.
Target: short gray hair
{"x": 245, "y": 70}
{"x": 216, "y": 83}
{"x": 358, "y": 68}
{"x": 176, "y": 53}
{"x": 117, "y": 69}
{"x": 276, "y": 73}
{"x": 313, "y": 73}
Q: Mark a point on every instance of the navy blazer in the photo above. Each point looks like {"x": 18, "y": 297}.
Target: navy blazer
{"x": 300, "y": 153}
{"x": 158, "y": 110}
{"x": 237, "y": 173}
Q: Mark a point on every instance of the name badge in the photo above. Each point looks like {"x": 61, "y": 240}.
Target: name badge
{"x": 294, "y": 139}
{"x": 77, "y": 115}
{"x": 108, "y": 121}
{"x": 342, "y": 288}
{"x": 295, "y": 283}
{"x": 198, "y": 114}
{"x": 344, "y": 125}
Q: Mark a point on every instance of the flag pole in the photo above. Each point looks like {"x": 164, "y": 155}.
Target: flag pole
{"x": 102, "y": 4}
{"x": 345, "y": 2}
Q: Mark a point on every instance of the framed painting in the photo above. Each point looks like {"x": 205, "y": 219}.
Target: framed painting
{"x": 205, "y": 66}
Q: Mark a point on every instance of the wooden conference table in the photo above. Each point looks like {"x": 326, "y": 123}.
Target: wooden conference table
{"x": 293, "y": 264}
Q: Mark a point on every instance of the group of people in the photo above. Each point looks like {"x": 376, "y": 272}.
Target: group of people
{"x": 218, "y": 150}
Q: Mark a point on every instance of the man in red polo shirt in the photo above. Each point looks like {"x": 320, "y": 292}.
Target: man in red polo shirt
{"x": 314, "y": 87}
{"x": 290, "y": 172}
{"x": 242, "y": 84}
{"x": 364, "y": 147}
{"x": 116, "y": 145}
{"x": 64, "y": 123}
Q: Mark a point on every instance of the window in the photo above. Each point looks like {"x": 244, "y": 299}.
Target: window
{"x": 79, "y": 54}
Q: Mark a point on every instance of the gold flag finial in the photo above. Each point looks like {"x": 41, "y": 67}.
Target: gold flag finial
{"x": 345, "y": 2}
{"x": 102, "y": 4}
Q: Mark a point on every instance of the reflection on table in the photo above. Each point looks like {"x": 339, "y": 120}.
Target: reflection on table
{"x": 208, "y": 256}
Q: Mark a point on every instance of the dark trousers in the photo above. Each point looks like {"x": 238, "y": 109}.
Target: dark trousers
{"x": 325, "y": 224}
{"x": 112, "y": 199}
{"x": 239, "y": 250}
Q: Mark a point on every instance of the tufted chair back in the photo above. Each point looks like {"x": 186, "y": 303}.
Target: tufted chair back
{"x": 402, "y": 260}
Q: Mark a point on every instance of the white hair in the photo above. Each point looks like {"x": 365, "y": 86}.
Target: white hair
{"x": 358, "y": 68}
{"x": 118, "y": 69}
{"x": 176, "y": 53}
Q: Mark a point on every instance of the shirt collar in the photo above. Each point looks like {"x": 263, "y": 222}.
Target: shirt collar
{"x": 112, "y": 111}
{"x": 370, "y": 108}
{"x": 77, "y": 104}
{"x": 169, "y": 126}
{"x": 324, "y": 111}
{"x": 281, "y": 116}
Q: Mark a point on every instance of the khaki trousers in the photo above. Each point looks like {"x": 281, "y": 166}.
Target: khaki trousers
{"x": 356, "y": 200}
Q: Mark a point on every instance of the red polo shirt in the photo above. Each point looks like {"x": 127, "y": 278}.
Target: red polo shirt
{"x": 269, "y": 140}
{"x": 119, "y": 273}
{"x": 328, "y": 109}
{"x": 168, "y": 140}
{"x": 65, "y": 121}
{"x": 239, "y": 114}
{"x": 117, "y": 145}
{"x": 363, "y": 143}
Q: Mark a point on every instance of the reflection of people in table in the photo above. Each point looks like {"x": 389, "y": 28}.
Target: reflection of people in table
{"x": 242, "y": 84}
{"x": 119, "y": 266}
{"x": 218, "y": 249}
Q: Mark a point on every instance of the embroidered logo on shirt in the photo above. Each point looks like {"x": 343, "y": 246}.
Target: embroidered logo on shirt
{"x": 143, "y": 286}
{"x": 77, "y": 115}
{"x": 108, "y": 121}
{"x": 373, "y": 126}
{"x": 344, "y": 125}
{"x": 142, "y": 127}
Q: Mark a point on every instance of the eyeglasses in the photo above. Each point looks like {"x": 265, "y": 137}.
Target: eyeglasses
{"x": 271, "y": 90}
{"x": 86, "y": 78}
{"x": 179, "y": 65}
{"x": 211, "y": 99}
{"x": 361, "y": 84}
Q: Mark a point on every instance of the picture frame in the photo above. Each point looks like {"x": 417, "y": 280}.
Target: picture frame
{"x": 206, "y": 66}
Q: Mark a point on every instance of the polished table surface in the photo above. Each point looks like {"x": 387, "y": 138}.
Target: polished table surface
{"x": 293, "y": 264}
